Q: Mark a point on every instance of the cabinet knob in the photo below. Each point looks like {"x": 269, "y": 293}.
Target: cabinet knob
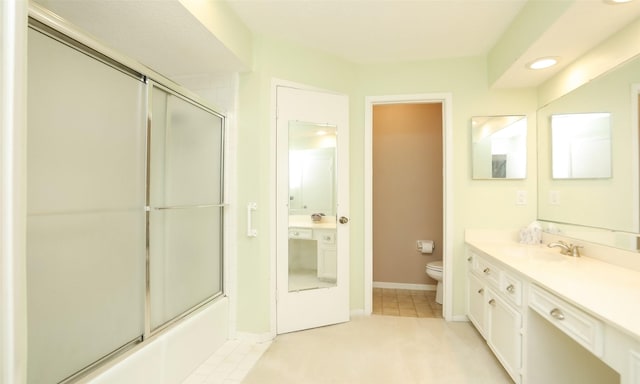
{"x": 469, "y": 258}
{"x": 481, "y": 291}
{"x": 343, "y": 220}
{"x": 556, "y": 313}
{"x": 487, "y": 271}
{"x": 511, "y": 288}
{"x": 492, "y": 302}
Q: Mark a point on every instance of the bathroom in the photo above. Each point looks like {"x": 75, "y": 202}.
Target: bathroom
{"x": 473, "y": 204}
{"x": 407, "y": 206}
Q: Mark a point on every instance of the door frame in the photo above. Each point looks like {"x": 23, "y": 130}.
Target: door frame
{"x": 447, "y": 194}
{"x": 273, "y": 184}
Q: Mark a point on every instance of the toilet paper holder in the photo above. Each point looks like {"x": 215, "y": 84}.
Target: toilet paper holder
{"x": 425, "y": 246}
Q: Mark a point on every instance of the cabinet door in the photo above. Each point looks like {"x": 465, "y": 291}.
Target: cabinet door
{"x": 476, "y": 303}
{"x": 327, "y": 254}
{"x": 503, "y": 333}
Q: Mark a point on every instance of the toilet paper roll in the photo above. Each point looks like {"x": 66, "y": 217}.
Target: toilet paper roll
{"x": 426, "y": 246}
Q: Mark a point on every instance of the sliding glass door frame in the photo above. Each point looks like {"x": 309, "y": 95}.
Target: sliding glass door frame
{"x": 65, "y": 35}
{"x": 150, "y": 330}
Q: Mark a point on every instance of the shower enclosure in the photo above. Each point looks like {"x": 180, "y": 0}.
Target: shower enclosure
{"x": 125, "y": 206}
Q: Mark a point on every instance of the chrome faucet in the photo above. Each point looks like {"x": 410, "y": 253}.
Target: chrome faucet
{"x": 566, "y": 249}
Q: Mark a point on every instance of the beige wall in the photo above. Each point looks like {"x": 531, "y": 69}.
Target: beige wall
{"x": 407, "y": 190}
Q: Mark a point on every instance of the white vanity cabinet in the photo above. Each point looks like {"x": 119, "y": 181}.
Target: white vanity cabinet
{"x": 504, "y": 337}
{"x": 550, "y": 318}
{"x": 494, "y": 300}
{"x": 476, "y": 307}
{"x": 324, "y": 251}
{"x": 327, "y": 253}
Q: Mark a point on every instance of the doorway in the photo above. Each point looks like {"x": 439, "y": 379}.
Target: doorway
{"x": 407, "y": 208}
{"x": 445, "y": 248}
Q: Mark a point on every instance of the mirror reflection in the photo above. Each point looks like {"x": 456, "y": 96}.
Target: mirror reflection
{"x": 609, "y": 204}
{"x": 312, "y": 206}
{"x": 499, "y": 146}
{"x": 581, "y": 146}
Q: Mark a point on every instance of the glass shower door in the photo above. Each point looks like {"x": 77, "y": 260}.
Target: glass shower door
{"x": 86, "y": 217}
{"x": 185, "y": 206}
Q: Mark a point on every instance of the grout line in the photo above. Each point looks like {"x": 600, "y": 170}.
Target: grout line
{"x": 394, "y": 302}
{"x": 229, "y": 364}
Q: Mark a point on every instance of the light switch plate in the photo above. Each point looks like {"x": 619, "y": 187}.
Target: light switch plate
{"x": 521, "y": 197}
{"x": 554, "y": 197}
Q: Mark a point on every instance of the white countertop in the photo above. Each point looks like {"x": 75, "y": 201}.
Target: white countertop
{"x": 313, "y": 225}
{"x": 304, "y": 221}
{"x": 606, "y": 291}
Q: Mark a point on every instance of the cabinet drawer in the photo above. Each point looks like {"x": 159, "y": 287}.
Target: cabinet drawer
{"x": 486, "y": 270}
{"x": 578, "y": 325}
{"x": 300, "y": 233}
{"x": 511, "y": 287}
{"x": 326, "y": 237}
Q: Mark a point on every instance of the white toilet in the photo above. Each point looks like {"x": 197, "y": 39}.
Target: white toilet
{"x": 434, "y": 270}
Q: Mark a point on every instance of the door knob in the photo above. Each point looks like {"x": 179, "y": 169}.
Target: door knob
{"x": 343, "y": 220}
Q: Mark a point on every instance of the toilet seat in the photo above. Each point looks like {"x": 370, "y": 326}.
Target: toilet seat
{"x": 435, "y": 266}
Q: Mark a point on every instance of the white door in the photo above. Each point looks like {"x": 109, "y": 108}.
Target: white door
{"x": 312, "y": 209}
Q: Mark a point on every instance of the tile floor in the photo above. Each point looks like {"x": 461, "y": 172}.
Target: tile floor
{"x": 405, "y": 303}
{"x": 229, "y": 364}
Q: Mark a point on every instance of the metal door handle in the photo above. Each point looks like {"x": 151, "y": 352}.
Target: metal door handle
{"x": 556, "y": 313}
{"x": 343, "y": 220}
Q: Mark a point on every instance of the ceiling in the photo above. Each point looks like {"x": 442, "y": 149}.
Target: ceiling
{"x": 384, "y": 31}
{"x": 161, "y": 34}
{"x": 164, "y": 35}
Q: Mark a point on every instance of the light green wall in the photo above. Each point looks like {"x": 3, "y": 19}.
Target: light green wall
{"x": 225, "y": 25}
{"x": 477, "y": 204}
{"x": 531, "y": 23}
{"x": 614, "y": 51}
{"x": 273, "y": 60}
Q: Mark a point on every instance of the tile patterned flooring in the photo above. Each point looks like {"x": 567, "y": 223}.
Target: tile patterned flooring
{"x": 406, "y": 303}
{"x": 229, "y": 364}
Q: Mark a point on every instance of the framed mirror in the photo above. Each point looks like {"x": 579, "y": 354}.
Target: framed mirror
{"x": 312, "y": 205}
{"x": 581, "y": 146}
{"x": 499, "y": 147}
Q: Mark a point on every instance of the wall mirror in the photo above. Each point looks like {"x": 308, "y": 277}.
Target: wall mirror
{"x": 604, "y": 209}
{"x": 581, "y": 146}
{"x": 312, "y": 206}
{"x": 499, "y": 147}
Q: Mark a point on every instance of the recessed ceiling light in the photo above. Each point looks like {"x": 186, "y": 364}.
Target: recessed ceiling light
{"x": 544, "y": 62}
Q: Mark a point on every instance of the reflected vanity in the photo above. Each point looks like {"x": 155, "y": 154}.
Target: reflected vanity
{"x": 499, "y": 145}
{"x": 312, "y": 206}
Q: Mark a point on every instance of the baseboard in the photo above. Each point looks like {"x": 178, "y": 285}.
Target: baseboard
{"x": 414, "y": 287}
{"x": 460, "y": 318}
